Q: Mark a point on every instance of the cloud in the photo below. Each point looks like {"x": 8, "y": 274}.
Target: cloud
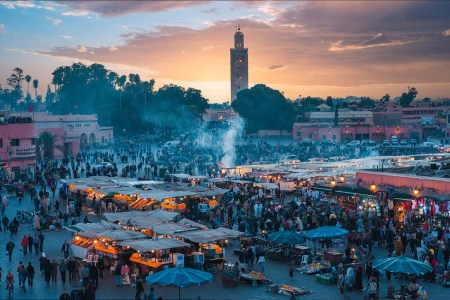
{"x": 351, "y": 46}
{"x": 379, "y": 40}
{"x": 446, "y": 33}
{"x": 275, "y": 67}
{"x": 55, "y": 22}
{"x": 67, "y": 37}
{"x": 81, "y": 49}
{"x": 2, "y": 27}
{"x": 76, "y": 13}
{"x": 118, "y": 8}
{"x": 209, "y": 47}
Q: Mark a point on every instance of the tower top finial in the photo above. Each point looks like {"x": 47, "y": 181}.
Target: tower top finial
{"x": 238, "y": 28}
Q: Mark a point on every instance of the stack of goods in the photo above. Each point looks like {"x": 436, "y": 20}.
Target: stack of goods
{"x": 314, "y": 268}
{"x": 325, "y": 278}
{"x": 292, "y": 290}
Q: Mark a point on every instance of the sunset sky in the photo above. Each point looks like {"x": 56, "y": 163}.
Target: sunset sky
{"x": 302, "y": 48}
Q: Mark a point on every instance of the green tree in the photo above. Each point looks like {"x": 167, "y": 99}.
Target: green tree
{"x": 407, "y": 98}
{"x": 329, "y": 102}
{"x": 28, "y": 79}
{"x": 386, "y": 98}
{"x": 264, "y": 109}
{"x": 366, "y": 103}
{"x": 15, "y": 82}
{"x": 46, "y": 141}
{"x": 35, "y": 86}
{"x": 49, "y": 96}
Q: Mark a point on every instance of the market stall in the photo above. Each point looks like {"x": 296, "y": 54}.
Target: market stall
{"x": 156, "y": 254}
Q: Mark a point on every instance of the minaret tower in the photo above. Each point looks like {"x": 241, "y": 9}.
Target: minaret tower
{"x": 238, "y": 65}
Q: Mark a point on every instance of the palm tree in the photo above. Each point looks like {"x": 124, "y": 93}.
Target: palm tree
{"x": 35, "y": 85}
{"x": 121, "y": 83}
{"x": 28, "y": 79}
{"x": 47, "y": 140}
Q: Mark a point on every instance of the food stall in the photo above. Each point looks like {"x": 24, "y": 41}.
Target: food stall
{"x": 157, "y": 253}
{"x": 171, "y": 200}
{"x": 106, "y": 241}
{"x": 209, "y": 242}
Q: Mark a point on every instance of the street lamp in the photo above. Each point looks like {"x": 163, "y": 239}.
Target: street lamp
{"x": 373, "y": 186}
{"x": 342, "y": 178}
{"x": 333, "y": 182}
{"x": 415, "y": 191}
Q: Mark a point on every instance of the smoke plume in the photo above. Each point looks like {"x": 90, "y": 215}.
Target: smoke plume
{"x": 229, "y": 141}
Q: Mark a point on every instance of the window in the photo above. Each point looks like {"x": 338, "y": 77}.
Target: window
{"x": 299, "y": 133}
{"x": 15, "y": 142}
{"x": 1, "y": 143}
{"x": 33, "y": 142}
{"x": 310, "y": 135}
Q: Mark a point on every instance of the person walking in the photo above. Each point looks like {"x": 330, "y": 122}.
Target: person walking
{"x": 36, "y": 243}
{"x": 65, "y": 249}
{"x": 23, "y": 277}
{"x": 291, "y": 265}
{"x": 63, "y": 270}
{"x": 54, "y": 271}
{"x": 30, "y": 243}
{"x": 64, "y": 295}
{"x": 5, "y": 222}
{"x": 71, "y": 269}
{"x": 48, "y": 268}
{"x": 101, "y": 267}
{"x": 31, "y": 274}
{"x": 90, "y": 291}
{"x": 118, "y": 274}
{"x": 9, "y": 248}
{"x": 41, "y": 239}
{"x": 85, "y": 275}
{"x": 24, "y": 244}
{"x": 139, "y": 289}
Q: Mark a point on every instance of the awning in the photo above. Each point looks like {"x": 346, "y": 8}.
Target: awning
{"x": 147, "y": 245}
{"x": 161, "y": 195}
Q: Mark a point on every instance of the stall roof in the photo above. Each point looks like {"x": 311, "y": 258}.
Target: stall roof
{"x": 267, "y": 185}
{"x": 186, "y": 176}
{"x": 146, "y": 245}
{"x": 240, "y": 181}
{"x": 206, "y": 236}
{"x": 161, "y": 195}
{"x": 123, "y": 190}
{"x": 185, "y": 221}
{"x": 125, "y": 217}
{"x": 88, "y": 227}
{"x": 173, "y": 229}
{"x": 121, "y": 235}
{"x": 219, "y": 179}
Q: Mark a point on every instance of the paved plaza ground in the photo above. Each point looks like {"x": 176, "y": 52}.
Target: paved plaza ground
{"x": 278, "y": 272}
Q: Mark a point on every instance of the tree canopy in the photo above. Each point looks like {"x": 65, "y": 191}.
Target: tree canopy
{"x": 407, "y": 98}
{"x": 264, "y": 109}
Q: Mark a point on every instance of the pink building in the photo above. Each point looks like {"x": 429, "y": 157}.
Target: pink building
{"x": 73, "y": 132}
{"x": 346, "y": 133}
{"x": 17, "y": 146}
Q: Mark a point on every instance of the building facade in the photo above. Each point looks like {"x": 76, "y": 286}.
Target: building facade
{"x": 238, "y": 65}
{"x": 17, "y": 147}
{"x": 73, "y": 132}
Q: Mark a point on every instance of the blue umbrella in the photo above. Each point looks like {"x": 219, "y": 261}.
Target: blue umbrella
{"x": 289, "y": 237}
{"x": 402, "y": 264}
{"x": 180, "y": 277}
{"x": 326, "y": 232}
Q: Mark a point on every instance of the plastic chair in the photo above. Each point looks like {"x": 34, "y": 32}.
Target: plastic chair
{"x": 88, "y": 259}
{"x": 112, "y": 268}
{"x": 95, "y": 259}
{"x": 135, "y": 275}
{"x": 304, "y": 261}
